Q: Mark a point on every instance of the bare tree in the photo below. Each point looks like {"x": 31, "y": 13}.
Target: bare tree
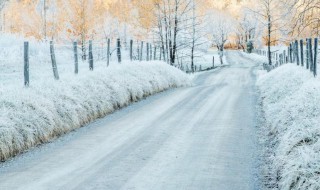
{"x": 246, "y": 29}
{"x": 304, "y": 16}
{"x": 193, "y": 38}
{"x": 2, "y": 5}
{"x": 193, "y": 42}
{"x": 270, "y": 14}
{"x": 220, "y": 27}
{"x": 171, "y": 16}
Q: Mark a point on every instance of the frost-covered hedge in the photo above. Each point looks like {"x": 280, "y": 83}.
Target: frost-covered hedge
{"x": 291, "y": 103}
{"x": 48, "y": 108}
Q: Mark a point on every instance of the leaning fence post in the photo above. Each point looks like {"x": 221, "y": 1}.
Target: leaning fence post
{"x": 75, "y": 50}
{"x": 131, "y": 48}
{"x": 90, "y": 56}
{"x": 119, "y": 50}
{"x": 26, "y": 64}
{"x": 311, "y": 55}
{"x": 315, "y": 56}
{"x": 301, "y": 52}
{"x": 53, "y": 61}
{"x": 108, "y": 52}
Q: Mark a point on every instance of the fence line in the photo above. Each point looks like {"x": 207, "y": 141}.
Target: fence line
{"x": 292, "y": 55}
{"x": 101, "y": 47}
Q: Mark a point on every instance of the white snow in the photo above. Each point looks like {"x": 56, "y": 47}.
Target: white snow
{"x": 49, "y": 108}
{"x": 290, "y": 97}
{"x": 199, "y": 137}
{"x": 205, "y": 61}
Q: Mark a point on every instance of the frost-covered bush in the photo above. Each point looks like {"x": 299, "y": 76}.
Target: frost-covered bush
{"x": 291, "y": 103}
{"x": 48, "y": 108}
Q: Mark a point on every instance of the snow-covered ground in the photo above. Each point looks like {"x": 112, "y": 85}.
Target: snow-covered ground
{"x": 290, "y": 98}
{"x": 198, "y": 137}
{"x": 206, "y": 60}
{"x": 203, "y": 60}
{"x": 49, "y": 108}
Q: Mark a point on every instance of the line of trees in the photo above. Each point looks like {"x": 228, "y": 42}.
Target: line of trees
{"x": 179, "y": 30}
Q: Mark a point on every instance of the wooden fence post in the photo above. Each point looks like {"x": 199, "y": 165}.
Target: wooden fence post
{"x": 284, "y": 57}
{"x": 301, "y": 52}
{"x": 108, "y": 52}
{"x": 147, "y": 49}
{"x": 288, "y": 56}
{"x": 138, "y": 51}
{"x": 141, "y": 51}
{"x": 212, "y": 62}
{"x": 293, "y": 52}
{"x": 155, "y": 53}
{"x": 90, "y": 56}
{"x": 119, "y": 50}
{"x": 297, "y": 51}
{"x": 26, "y": 64}
{"x": 131, "y": 49}
{"x": 150, "y": 52}
{"x": 311, "y": 55}
{"x": 307, "y": 53}
{"x": 53, "y": 61}
{"x": 290, "y": 52}
{"x": 76, "y": 62}
{"x": 315, "y": 56}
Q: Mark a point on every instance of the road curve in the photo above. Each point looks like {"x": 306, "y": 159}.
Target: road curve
{"x": 200, "y": 137}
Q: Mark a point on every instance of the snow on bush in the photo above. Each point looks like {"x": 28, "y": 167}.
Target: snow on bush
{"x": 291, "y": 98}
{"x": 48, "y": 108}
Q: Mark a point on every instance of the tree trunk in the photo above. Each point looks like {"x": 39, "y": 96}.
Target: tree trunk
{"x": 269, "y": 40}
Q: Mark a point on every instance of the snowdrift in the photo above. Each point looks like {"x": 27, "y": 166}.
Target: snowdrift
{"x": 290, "y": 99}
{"x": 48, "y": 108}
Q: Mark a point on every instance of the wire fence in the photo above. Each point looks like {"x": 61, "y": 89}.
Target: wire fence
{"x": 90, "y": 52}
{"x": 32, "y": 62}
{"x": 304, "y": 53}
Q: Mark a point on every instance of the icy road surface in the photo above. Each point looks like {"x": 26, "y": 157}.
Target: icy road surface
{"x": 201, "y": 137}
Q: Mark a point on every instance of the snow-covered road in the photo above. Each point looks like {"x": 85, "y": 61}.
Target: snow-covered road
{"x": 201, "y": 137}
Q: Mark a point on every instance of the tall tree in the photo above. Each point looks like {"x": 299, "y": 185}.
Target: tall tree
{"x": 270, "y": 14}
{"x": 171, "y": 16}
